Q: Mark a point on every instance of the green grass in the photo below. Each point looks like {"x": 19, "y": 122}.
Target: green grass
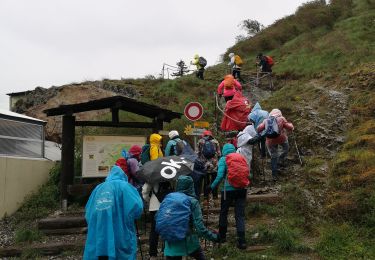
{"x": 345, "y": 242}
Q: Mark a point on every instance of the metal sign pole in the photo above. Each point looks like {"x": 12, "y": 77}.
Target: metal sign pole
{"x": 195, "y": 144}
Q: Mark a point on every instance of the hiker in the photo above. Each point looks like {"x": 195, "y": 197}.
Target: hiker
{"x": 232, "y": 164}
{"x": 175, "y": 144}
{"x": 265, "y": 63}
{"x": 245, "y": 141}
{"x": 208, "y": 153}
{"x": 149, "y": 195}
{"x": 111, "y": 211}
{"x": 274, "y": 128}
{"x": 236, "y": 64}
{"x": 256, "y": 116}
{"x": 200, "y": 63}
{"x": 181, "y": 231}
{"x": 129, "y": 163}
{"x": 228, "y": 87}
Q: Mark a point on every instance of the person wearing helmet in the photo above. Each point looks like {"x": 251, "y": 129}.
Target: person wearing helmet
{"x": 200, "y": 63}
{"x": 209, "y": 154}
{"x": 236, "y": 64}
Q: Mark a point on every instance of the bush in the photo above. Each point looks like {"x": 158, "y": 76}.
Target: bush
{"x": 25, "y": 234}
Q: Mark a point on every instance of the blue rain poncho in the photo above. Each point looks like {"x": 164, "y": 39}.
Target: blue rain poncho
{"x": 110, "y": 214}
{"x": 257, "y": 115}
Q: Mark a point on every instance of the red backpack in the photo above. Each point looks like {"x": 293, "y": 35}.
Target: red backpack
{"x": 270, "y": 61}
{"x": 238, "y": 170}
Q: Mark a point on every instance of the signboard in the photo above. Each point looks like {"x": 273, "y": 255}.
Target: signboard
{"x": 202, "y": 124}
{"x": 194, "y": 131}
{"x": 101, "y": 152}
{"x": 193, "y": 111}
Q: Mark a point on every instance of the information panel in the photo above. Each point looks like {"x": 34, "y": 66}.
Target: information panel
{"x": 101, "y": 152}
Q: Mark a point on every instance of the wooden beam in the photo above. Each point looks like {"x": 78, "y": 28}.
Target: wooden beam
{"x": 62, "y": 223}
{"x": 67, "y": 155}
{"x": 119, "y": 124}
{"x": 115, "y": 117}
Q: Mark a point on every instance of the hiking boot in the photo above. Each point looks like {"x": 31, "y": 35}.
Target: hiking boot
{"x": 223, "y": 234}
{"x": 241, "y": 245}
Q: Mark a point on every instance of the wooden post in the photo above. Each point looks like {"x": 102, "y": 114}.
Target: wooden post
{"x": 67, "y": 157}
{"x": 158, "y": 125}
{"x": 115, "y": 115}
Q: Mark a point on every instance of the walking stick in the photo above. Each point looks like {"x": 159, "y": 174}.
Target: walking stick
{"x": 299, "y": 156}
{"x": 139, "y": 239}
{"x": 207, "y": 213}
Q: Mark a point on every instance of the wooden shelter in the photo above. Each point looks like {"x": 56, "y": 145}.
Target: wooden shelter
{"x": 115, "y": 103}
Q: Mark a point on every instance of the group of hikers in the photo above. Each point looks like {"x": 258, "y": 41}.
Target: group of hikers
{"x": 174, "y": 207}
{"x": 264, "y": 63}
{"x": 174, "y": 202}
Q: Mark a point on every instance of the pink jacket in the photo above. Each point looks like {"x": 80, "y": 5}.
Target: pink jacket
{"x": 283, "y": 126}
{"x": 229, "y": 92}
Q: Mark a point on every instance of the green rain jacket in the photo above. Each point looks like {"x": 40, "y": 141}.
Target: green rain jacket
{"x": 191, "y": 242}
{"x": 222, "y": 169}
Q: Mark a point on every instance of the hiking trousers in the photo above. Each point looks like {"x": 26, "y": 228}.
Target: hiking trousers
{"x": 200, "y": 73}
{"x": 273, "y": 150}
{"x": 236, "y": 73}
{"x": 238, "y": 199}
{"x": 197, "y": 254}
{"x": 154, "y": 236}
{"x": 208, "y": 179}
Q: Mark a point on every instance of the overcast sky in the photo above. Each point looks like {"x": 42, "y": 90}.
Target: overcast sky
{"x": 56, "y": 42}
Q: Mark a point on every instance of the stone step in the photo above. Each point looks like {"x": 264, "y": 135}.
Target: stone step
{"x": 44, "y": 249}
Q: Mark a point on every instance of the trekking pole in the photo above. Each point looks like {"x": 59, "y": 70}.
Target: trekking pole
{"x": 139, "y": 239}
{"x": 299, "y": 156}
{"x": 207, "y": 213}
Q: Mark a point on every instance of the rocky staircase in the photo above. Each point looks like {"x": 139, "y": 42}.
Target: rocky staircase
{"x": 67, "y": 231}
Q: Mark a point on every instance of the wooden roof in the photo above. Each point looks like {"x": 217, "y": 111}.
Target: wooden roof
{"x": 116, "y": 102}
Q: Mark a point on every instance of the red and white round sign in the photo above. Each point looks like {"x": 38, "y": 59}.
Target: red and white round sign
{"x": 193, "y": 111}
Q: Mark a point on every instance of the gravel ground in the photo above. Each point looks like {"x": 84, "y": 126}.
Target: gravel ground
{"x": 6, "y": 232}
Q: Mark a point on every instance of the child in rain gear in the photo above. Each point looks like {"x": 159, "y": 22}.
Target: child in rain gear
{"x": 228, "y": 87}
{"x": 234, "y": 196}
{"x": 273, "y": 143}
{"x": 257, "y": 116}
{"x": 148, "y": 194}
{"x": 244, "y": 143}
{"x": 111, "y": 210}
{"x": 190, "y": 245}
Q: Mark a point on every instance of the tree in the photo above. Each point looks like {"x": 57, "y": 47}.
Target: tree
{"x": 252, "y": 27}
{"x": 181, "y": 69}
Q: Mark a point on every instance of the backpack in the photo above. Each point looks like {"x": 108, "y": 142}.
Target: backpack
{"x": 228, "y": 83}
{"x": 173, "y": 217}
{"x": 272, "y": 128}
{"x": 164, "y": 189}
{"x": 123, "y": 164}
{"x": 270, "y": 61}
{"x": 238, "y": 170}
{"x": 237, "y": 60}
{"x": 208, "y": 149}
{"x": 179, "y": 147}
{"x": 145, "y": 155}
{"x": 202, "y": 62}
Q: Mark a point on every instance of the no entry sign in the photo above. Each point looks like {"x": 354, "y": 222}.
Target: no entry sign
{"x": 193, "y": 111}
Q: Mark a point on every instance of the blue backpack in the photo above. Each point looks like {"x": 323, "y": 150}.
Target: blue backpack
{"x": 173, "y": 217}
{"x": 208, "y": 149}
{"x": 272, "y": 129}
